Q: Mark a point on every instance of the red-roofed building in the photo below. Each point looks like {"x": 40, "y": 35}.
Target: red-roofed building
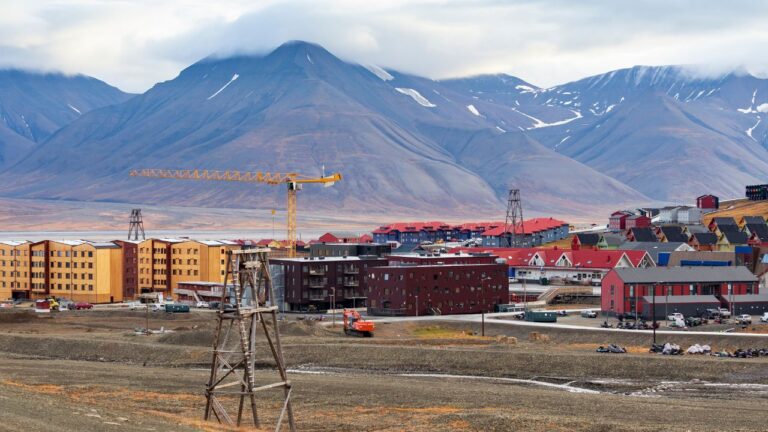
{"x": 414, "y": 233}
{"x": 537, "y": 231}
{"x": 585, "y": 266}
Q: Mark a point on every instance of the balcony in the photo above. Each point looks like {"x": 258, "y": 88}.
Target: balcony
{"x": 352, "y": 294}
{"x": 317, "y": 271}
{"x": 351, "y": 270}
{"x": 317, "y": 298}
{"x": 318, "y": 283}
{"x": 351, "y": 282}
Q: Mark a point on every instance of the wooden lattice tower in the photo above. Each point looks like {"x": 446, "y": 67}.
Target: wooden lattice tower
{"x": 234, "y": 346}
{"x": 136, "y": 225}
{"x": 514, "y": 230}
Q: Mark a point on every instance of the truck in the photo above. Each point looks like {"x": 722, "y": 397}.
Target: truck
{"x": 725, "y": 313}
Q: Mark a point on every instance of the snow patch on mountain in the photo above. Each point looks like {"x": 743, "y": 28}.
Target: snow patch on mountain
{"x": 473, "y": 110}
{"x": 379, "y": 72}
{"x": 75, "y": 109}
{"x": 415, "y": 95}
{"x": 525, "y": 89}
{"x": 763, "y": 108}
{"x": 749, "y": 131}
{"x": 231, "y": 80}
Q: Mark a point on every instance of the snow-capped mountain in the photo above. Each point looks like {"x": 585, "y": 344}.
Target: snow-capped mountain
{"x": 407, "y": 143}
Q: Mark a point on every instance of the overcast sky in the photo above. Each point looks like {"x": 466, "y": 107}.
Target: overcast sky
{"x": 135, "y": 43}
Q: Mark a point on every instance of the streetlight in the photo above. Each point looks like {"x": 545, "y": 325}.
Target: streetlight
{"x": 482, "y": 307}
{"x": 333, "y": 307}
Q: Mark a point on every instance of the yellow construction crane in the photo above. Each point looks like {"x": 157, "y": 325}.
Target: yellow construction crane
{"x": 294, "y": 181}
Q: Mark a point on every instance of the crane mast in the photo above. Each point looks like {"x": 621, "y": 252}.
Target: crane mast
{"x": 292, "y": 180}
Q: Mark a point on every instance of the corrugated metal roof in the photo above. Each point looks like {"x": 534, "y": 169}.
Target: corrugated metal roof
{"x": 685, "y": 274}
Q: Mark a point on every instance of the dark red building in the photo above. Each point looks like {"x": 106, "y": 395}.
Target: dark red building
{"x": 617, "y": 221}
{"x": 409, "y": 289}
{"x": 130, "y": 268}
{"x": 708, "y": 202}
{"x": 637, "y": 221}
{"x": 322, "y": 282}
{"x": 688, "y": 290}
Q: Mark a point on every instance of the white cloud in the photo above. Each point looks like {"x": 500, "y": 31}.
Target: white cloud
{"x": 135, "y": 43}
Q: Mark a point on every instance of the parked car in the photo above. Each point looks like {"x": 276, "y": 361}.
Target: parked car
{"x": 744, "y": 319}
{"x": 629, "y": 316}
{"x": 202, "y": 305}
{"x": 675, "y": 316}
{"x": 764, "y": 318}
{"x": 588, "y": 314}
{"x": 81, "y": 306}
{"x": 692, "y": 321}
{"x": 725, "y": 313}
{"x": 137, "y": 305}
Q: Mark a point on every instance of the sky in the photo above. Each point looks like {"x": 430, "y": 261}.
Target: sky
{"x": 134, "y": 44}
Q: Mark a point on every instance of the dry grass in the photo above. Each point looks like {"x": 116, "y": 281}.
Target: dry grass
{"x": 740, "y": 208}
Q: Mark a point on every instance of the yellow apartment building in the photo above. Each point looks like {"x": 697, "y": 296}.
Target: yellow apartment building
{"x": 163, "y": 263}
{"x": 82, "y": 271}
{"x": 14, "y": 269}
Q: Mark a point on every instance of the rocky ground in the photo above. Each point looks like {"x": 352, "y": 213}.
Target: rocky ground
{"x": 87, "y": 371}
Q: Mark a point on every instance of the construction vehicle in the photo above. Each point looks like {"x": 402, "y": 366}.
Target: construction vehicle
{"x": 293, "y": 180}
{"x": 355, "y": 325}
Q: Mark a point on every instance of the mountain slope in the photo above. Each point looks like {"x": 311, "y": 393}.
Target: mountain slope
{"x": 299, "y": 108}
{"x": 663, "y": 131}
{"x": 33, "y": 106}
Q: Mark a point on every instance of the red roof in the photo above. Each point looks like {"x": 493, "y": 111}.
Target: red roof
{"x": 529, "y": 226}
{"x": 595, "y": 259}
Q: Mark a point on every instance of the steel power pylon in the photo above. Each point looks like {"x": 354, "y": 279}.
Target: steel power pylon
{"x": 136, "y": 225}
{"x": 514, "y": 231}
{"x": 232, "y": 380}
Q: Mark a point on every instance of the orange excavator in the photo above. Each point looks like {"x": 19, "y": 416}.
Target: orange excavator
{"x": 355, "y": 325}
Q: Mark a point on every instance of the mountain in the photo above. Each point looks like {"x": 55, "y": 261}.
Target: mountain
{"x": 403, "y": 143}
{"x": 664, "y": 131}
{"x": 33, "y": 106}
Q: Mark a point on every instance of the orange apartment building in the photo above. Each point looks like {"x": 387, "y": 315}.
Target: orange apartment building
{"x": 14, "y": 269}
{"x": 163, "y": 263}
{"x": 77, "y": 270}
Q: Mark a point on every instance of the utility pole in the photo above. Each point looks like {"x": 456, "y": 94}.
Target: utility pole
{"x": 514, "y": 230}
{"x": 654, "y": 311}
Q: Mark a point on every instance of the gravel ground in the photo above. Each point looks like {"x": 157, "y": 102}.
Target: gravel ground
{"x": 88, "y": 372}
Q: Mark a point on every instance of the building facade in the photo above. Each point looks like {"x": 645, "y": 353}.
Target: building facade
{"x": 164, "y": 263}
{"x": 15, "y": 270}
{"x": 323, "y": 282}
{"x": 626, "y": 289}
{"x": 439, "y": 289}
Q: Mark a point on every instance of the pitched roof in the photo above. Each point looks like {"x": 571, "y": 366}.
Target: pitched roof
{"x": 685, "y": 274}
{"x": 588, "y": 239}
{"x": 724, "y": 222}
{"x": 613, "y": 239}
{"x": 735, "y": 237}
{"x": 674, "y": 234}
{"x": 753, "y": 220}
{"x": 643, "y": 234}
{"x": 705, "y": 238}
{"x": 653, "y": 248}
{"x": 759, "y": 230}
